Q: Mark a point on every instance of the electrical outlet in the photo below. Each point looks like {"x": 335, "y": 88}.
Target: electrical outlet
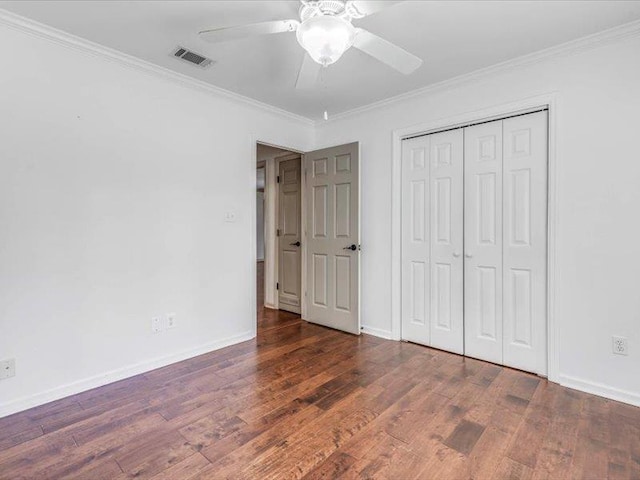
{"x": 620, "y": 346}
{"x": 171, "y": 320}
{"x": 156, "y": 324}
{"x": 7, "y": 368}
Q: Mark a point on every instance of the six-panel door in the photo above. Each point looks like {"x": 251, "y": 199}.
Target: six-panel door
{"x": 333, "y": 237}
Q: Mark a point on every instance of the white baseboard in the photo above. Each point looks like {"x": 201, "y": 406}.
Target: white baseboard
{"x": 600, "y": 389}
{"x": 376, "y": 332}
{"x": 100, "y": 380}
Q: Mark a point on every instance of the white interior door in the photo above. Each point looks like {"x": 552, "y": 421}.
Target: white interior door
{"x": 289, "y": 234}
{"x": 483, "y": 241}
{"x": 525, "y": 242}
{"x": 446, "y": 212}
{"x": 333, "y": 237}
{"x": 416, "y": 278}
{"x": 432, "y": 264}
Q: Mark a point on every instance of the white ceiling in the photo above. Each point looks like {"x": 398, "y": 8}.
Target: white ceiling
{"x": 453, "y": 38}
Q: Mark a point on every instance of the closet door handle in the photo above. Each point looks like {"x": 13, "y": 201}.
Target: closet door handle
{"x": 468, "y": 254}
{"x": 456, "y": 254}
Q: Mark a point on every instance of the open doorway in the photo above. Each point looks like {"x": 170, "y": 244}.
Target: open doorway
{"x": 311, "y": 225}
{"x": 278, "y": 232}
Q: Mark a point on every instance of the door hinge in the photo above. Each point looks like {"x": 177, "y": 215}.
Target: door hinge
{"x": 277, "y": 286}
{"x": 277, "y": 232}
{"x": 278, "y": 179}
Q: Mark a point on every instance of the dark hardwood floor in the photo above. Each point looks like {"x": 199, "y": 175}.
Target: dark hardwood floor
{"x": 302, "y": 401}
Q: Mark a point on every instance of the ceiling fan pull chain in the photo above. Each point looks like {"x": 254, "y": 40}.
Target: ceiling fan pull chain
{"x": 323, "y": 92}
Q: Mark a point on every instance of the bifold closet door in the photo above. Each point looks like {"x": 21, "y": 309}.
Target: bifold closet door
{"x": 432, "y": 263}
{"x": 506, "y": 241}
{"x": 483, "y": 241}
{"x": 415, "y": 245}
{"x": 525, "y": 242}
{"x": 446, "y": 241}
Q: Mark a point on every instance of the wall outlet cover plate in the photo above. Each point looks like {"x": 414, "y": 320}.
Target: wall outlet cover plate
{"x": 7, "y": 368}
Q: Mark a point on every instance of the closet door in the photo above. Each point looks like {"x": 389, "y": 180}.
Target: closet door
{"x": 415, "y": 240}
{"x": 483, "y": 241}
{"x": 432, "y": 222}
{"x": 446, "y": 212}
{"x": 525, "y": 242}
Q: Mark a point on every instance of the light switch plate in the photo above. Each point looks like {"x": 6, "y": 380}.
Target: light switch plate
{"x": 230, "y": 217}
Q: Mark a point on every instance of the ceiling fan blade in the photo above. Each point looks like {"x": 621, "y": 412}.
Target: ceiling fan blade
{"x": 308, "y": 74}
{"x": 362, "y": 8}
{"x": 386, "y": 52}
{"x": 227, "y": 34}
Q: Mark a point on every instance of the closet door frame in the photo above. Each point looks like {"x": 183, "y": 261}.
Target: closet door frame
{"x": 521, "y": 107}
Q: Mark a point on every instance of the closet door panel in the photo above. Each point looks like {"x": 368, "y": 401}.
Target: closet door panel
{"x": 483, "y": 241}
{"x": 415, "y": 241}
{"x": 525, "y": 241}
{"x": 446, "y": 242}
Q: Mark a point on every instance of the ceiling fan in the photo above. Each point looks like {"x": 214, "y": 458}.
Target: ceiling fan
{"x": 325, "y": 31}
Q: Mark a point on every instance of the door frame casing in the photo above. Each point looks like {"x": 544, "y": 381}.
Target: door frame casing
{"x": 549, "y": 101}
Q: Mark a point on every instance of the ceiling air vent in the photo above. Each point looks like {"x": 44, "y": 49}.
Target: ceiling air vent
{"x": 192, "y": 57}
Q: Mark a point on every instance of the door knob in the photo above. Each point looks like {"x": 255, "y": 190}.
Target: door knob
{"x": 468, "y": 255}
{"x": 351, "y": 247}
{"x": 456, "y": 254}
{"x": 296, "y": 244}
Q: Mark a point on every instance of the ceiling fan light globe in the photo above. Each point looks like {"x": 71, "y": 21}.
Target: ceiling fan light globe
{"x": 326, "y": 38}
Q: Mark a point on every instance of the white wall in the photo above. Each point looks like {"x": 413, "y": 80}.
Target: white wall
{"x": 113, "y": 187}
{"x": 598, "y": 173}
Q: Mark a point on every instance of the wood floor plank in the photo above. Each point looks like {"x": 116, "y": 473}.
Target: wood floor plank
{"x": 558, "y": 446}
{"x": 23, "y": 435}
{"x": 486, "y": 454}
{"x": 333, "y": 467}
{"x": 527, "y": 441}
{"x": 465, "y": 436}
{"x": 304, "y": 401}
{"x": 511, "y": 470}
{"x": 184, "y": 469}
{"x": 228, "y": 457}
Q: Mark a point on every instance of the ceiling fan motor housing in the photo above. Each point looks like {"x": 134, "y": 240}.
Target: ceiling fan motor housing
{"x": 316, "y": 8}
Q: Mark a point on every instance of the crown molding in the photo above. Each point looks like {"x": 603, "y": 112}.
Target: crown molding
{"x": 59, "y": 37}
{"x": 571, "y": 47}
{"x": 74, "y": 42}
